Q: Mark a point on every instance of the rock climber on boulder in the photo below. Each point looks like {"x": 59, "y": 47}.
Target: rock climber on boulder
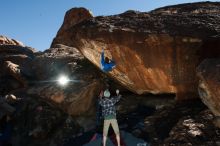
{"x": 106, "y": 63}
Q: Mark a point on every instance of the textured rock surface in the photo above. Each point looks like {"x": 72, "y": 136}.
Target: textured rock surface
{"x": 5, "y": 108}
{"x": 76, "y": 98}
{"x": 38, "y": 73}
{"x": 38, "y": 123}
{"x": 73, "y": 17}
{"x": 55, "y": 61}
{"x": 155, "y": 52}
{"x": 209, "y": 85}
{"x": 194, "y": 130}
{"x": 15, "y": 71}
{"x": 20, "y": 57}
{"x": 189, "y": 124}
{"x": 45, "y": 105}
{"x": 7, "y": 41}
{"x": 79, "y": 99}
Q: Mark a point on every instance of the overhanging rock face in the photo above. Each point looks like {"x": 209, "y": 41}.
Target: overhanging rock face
{"x": 155, "y": 52}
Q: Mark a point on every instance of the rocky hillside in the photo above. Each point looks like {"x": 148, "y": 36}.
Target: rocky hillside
{"x": 37, "y": 74}
{"x": 14, "y": 56}
{"x": 155, "y": 52}
{"x": 7, "y": 41}
{"x": 29, "y": 86}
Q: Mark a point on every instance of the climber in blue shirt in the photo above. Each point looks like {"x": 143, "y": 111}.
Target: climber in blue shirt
{"x": 106, "y": 64}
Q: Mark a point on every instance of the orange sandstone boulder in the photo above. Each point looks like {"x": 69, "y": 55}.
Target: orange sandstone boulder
{"x": 155, "y": 52}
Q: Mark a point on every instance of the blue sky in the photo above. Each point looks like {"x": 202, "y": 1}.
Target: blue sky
{"x": 36, "y": 22}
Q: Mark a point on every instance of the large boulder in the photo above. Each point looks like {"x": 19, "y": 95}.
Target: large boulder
{"x": 15, "y": 62}
{"x": 38, "y": 72}
{"x": 209, "y": 85}
{"x": 73, "y": 17}
{"x": 155, "y": 52}
{"x": 77, "y": 98}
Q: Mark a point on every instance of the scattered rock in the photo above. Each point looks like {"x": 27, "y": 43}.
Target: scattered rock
{"x": 194, "y": 130}
{"x": 159, "y": 125}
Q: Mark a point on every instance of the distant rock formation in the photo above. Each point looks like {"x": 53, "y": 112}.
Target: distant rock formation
{"x": 209, "y": 85}
{"x": 155, "y": 52}
{"x": 7, "y": 41}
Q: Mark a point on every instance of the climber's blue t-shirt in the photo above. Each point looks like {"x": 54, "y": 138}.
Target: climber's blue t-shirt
{"x": 106, "y": 67}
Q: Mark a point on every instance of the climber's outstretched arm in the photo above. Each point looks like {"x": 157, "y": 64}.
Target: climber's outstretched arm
{"x": 102, "y": 58}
